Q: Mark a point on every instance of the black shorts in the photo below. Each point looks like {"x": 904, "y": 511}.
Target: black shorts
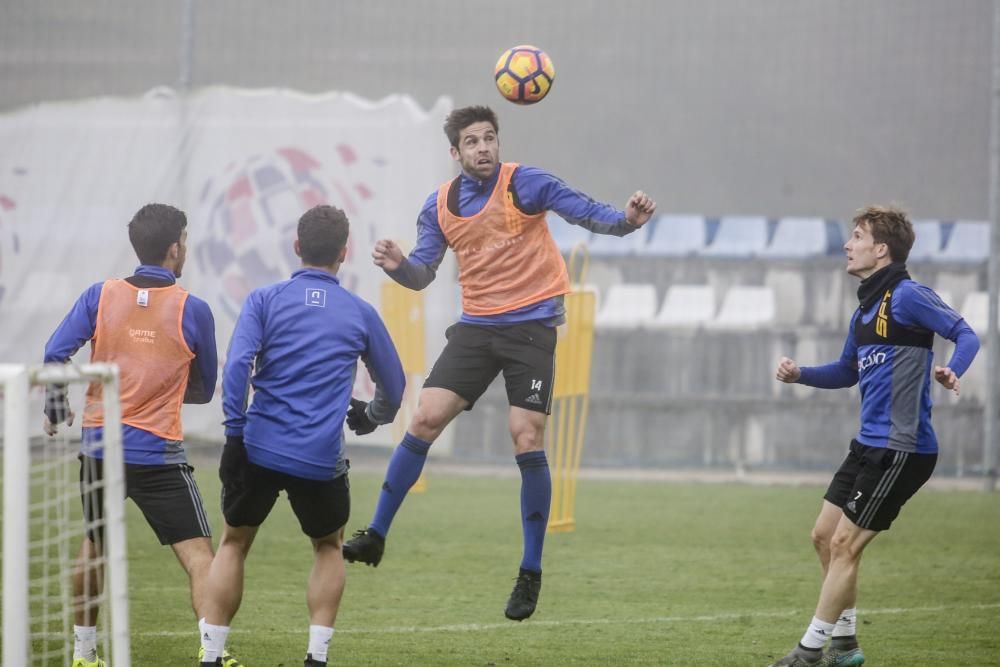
{"x": 249, "y": 491}
{"x": 474, "y": 355}
{"x": 874, "y": 483}
{"x": 166, "y": 494}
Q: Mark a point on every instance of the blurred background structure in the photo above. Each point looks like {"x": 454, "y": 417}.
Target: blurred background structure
{"x": 786, "y": 107}
{"x": 759, "y": 127}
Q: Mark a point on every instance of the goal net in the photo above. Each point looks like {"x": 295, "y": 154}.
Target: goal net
{"x": 43, "y": 524}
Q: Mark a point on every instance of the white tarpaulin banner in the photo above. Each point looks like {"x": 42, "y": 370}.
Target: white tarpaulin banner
{"x": 243, "y": 165}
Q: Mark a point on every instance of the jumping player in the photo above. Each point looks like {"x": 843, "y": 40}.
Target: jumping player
{"x": 513, "y": 280}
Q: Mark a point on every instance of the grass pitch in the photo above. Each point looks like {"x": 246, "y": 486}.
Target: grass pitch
{"x": 655, "y": 573}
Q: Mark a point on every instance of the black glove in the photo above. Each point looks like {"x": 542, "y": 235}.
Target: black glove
{"x": 357, "y": 418}
{"x": 56, "y": 403}
{"x": 233, "y": 461}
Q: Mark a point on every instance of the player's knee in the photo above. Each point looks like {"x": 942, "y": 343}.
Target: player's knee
{"x": 324, "y": 549}
{"x": 195, "y": 554}
{"x": 427, "y": 425}
{"x": 333, "y": 542}
{"x": 820, "y": 539}
{"x": 527, "y": 438}
{"x": 843, "y": 548}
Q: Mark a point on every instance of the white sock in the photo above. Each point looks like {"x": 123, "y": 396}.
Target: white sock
{"x": 817, "y": 634}
{"x": 847, "y": 623}
{"x": 85, "y": 642}
{"x": 319, "y": 641}
{"x": 213, "y": 640}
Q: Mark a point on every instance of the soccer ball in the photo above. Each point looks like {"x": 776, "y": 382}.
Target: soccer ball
{"x": 524, "y": 74}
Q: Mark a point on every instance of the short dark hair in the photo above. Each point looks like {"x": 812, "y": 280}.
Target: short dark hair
{"x": 459, "y": 119}
{"x": 153, "y": 229}
{"x": 322, "y": 235}
{"x": 888, "y": 225}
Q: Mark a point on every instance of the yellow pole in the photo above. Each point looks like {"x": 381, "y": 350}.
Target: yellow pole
{"x": 571, "y": 395}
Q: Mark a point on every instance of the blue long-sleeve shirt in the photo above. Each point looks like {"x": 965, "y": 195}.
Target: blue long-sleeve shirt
{"x": 297, "y": 343}
{"x": 914, "y": 306}
{"x": 537, "y": 191}
{"x": 198, "y": 329}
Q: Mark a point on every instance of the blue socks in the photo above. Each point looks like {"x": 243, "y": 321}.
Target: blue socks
{"x": 404, "y": 469}
{"x": 536, "y": 494}
{"x": 536, "y": 498}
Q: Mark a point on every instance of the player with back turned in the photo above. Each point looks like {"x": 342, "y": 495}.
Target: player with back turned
{"x": 513, "y": 279}
{"x": 163, "y": 341}
{"x": 297, "y": 343}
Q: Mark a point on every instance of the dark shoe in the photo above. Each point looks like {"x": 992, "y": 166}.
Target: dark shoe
{"x": 799, "y": 657}
{"x": 310, "y": 662}
{"x": 366, "y": 546}
{"x": 843, "y": 657}
{"x": 524, "y": 597}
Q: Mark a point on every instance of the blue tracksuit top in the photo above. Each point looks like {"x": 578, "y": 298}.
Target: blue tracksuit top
{"x": 895, "y": 380}
{"x": 537, "y": 191}
{"x": 198, "y": 327}
{"x": 297, "y": 343}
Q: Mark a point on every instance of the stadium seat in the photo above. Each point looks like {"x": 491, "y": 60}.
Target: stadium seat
{"x": 686, "y": 306}
{"x": 968, "y": 242}
{"x": 797, "y": 238}
{"x": 834, "y": 237}
{"x": 627, "y": 306}
{"x": 789, "y": 288}
{"x": 928, "y": 241}
{"x": 566, "y": 236}
{"x": 974, "y": 311}
{"x": 738, "y": 236}
{"x": 745, "y": 307}
{"x": 604, "y": 245}
{"x": 675, "y": 236}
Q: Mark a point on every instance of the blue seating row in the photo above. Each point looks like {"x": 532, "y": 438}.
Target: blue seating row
{"x": 758, "y": 236}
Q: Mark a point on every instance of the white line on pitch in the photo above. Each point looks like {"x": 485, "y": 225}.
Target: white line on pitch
{"x": 477, "y": 627}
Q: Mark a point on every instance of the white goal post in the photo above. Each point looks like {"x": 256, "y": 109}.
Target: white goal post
{"x": 43, "y": 525}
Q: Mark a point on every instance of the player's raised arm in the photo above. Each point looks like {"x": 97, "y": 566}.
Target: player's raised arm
{"x": 788, "y": 371}
{"x": 639, "y": 209}
{"x": 539, "y": 190}
{"x": 419, "y": 269}
{"x": 387, "y": 254}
